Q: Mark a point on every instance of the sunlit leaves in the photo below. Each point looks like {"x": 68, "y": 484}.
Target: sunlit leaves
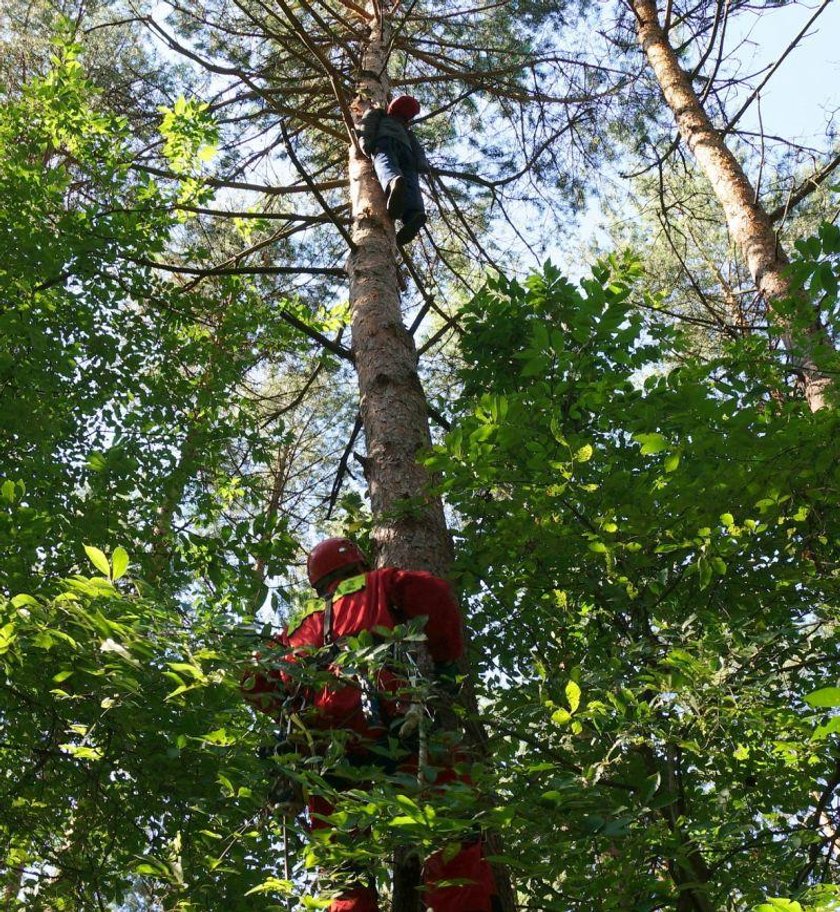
{"x": 98, "y": 559}
{"x": 825, "y": 697}
{"x": 695, "y": 578}
{"x": 190, "y": 134}
{"x": 120, "y": 562}
{"x": 573, "y": 696}
{"x": 651, "y": 443}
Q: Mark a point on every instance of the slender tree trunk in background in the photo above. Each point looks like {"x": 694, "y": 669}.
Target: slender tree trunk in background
{"x": 687, "y": 868}
{"x": 278, "y": 487}
{"x": 410, "y": 527}
{"x": 747, "y": 220}
{"x": 14, "y": 883}
{"x": 172, "y": 495}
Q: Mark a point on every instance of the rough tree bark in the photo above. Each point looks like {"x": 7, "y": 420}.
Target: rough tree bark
{"x": 410, "y": 528}
{"x": 748, "y": 222}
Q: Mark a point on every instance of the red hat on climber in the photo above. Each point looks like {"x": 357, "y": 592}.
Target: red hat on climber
{"x": 405, "y": 107}
{"x": 332, "y": 560}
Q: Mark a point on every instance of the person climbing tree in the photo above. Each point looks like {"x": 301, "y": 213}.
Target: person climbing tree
{"x": 399, "y": 159}
{"x": 368, "y": 711}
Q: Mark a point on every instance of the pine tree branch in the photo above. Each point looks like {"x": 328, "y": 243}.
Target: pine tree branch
{"x": 328, "y": 30}
{"x": 329, "y": 344}
{"x": 312, "y": 186}
{"x": 467, "y": 227}
{"x": 242, "y": 185}
{"x": 314, "y": 119}
{"x": 806, "y": 188}
{"x": 332, "y": 73}
{"x": 342, "y": 466}
{"x": 246, "y": 214}
{"x": 358, "y": 10}
{"x": 239, "y": 270}
{"x": 428, "y": 297}
{"x": 439, "y": 418}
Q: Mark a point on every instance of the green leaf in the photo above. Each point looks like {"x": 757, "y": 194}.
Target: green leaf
{"x": 651, "y": 443}
{"x": 82, "y": 752}
{"x": 561, "y": 717}
{"x": 826, "y": 697}
{"x": 144, "y": 868}
{"x": 220, "y": 737}
{"x": 719, "y": 565}
{"x": 98, "y": 559}
{"x": 672, "y": 461}
{"x": 779, "y": 905}
{"x": 584, "y": 454}
{"x": 704, "y": 569}
{"x": 821, "y": 732}
{"x": 7, "y": 637}
{"x": 119, "y": 559}
{"x": 573, "y": 695}
{"x": 185, "y": 668}
{"x": 272, "y": 885}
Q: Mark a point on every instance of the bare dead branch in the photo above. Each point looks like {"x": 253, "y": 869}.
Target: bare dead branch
{"x": 239, "y": 270}
{"x": 754, "y": 94}
{"x": 342, "y": 467}
{"x": 242, "y": 185}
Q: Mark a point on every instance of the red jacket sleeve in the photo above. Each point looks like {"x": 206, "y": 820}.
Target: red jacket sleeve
{"x": 262, "y": 683}
{"x": 414, "y": 593}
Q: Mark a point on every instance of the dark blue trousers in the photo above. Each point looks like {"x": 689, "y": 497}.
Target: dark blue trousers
{"x": 393, "y": 159}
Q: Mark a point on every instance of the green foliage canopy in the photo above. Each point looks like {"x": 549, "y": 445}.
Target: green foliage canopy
{"x": 650, "y": 546}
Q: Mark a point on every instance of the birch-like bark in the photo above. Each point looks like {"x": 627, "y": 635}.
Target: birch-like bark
{"x": 748, "y": 222}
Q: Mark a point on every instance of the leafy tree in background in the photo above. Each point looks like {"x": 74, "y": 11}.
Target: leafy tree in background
{"x": 108, "y": 374}
{"x": 652, "y": 557}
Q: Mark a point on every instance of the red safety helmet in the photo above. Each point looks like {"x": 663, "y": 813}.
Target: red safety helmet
{"x": 331, "y": 556}
{"x": 405, "y": 107}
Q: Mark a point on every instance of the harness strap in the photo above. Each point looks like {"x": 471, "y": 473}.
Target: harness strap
{"x": 328, "y": 625}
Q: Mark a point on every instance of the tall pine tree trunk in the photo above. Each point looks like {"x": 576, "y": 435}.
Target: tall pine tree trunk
{"x": 410, "y": 530}
{"x": 410, "y": 527}
{"x": 747, "y": 220}
{"x": 409, "y": 524}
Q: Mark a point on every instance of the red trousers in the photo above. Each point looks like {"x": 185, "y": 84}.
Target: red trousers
{"x": 469, "y": 864}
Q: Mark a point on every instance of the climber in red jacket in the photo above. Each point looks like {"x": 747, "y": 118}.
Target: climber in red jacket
{"x": 356, "y": 599}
